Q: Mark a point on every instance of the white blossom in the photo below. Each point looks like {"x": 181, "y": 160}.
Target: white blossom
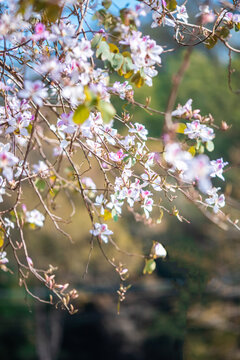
{"x": 3, "y": 258}
{"x": 217, "y": 201}
{"x": 34, "y": 90}
{"x": 35, "y": 217}
{"x": 159, "y": 250}
{"x": 102, "y": 231}
{"x": 217, "y": 168}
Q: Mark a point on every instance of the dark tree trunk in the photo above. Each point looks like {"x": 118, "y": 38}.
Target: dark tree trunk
{"x": 48, "y": 332}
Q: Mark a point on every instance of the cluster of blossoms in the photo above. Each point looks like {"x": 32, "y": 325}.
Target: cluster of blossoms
{"x": 145, "y": 54}
{"x": 186, "y": 111}
{"x": 162, "y": 16}
{"x": 218, "y": 201}
{"x": 232, "y": 18}
{"x": 196, "y": 130}
{"x": 159, "y": 18}
{"x": 124, "y": 90}
{"x": 197, "y": 168}
{"x": 57, "y": 123}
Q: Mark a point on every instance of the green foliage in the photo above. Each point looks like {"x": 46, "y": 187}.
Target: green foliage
{"x": 92, "y": 102}
{"x": 121, "y": 63}
{"x": 150, "y": 266}
{"x": 210, "y": 146}
{"x": 117, "y": 61}
{"x": 103, "y": 51}
{"x": 107, "y": 3}
{"x": 221, "y": 32}
{"x": 211, "y": 41}
{"x": 105, "y": 18}
{"x": 107, "y": 110}
{"x": 51, "y": 11}
{"x": 40, "y": 184}
{"x": 96, "y": 40}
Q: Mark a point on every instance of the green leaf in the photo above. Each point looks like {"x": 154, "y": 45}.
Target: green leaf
{"x": 150, "y": 266}
{"x": 180, "y": 127}
{"x": 107, "y": 215}
{"x": 107, "y": 3}
{"x": 50, "y": 11}
{"x": 1, "y": 238}
{"x": 171, "y": 5}
{"x": 224, "y": 32}
{"x": 103, "y": 51}
{"x": 138, "y": 80}
{"x": 210, "y": 146}
{"x": 113, "y": 48}
{"x": 81, "y": 114}
{"x": 96, "y": 40}
{"x": 201, "y": 149}
{"x": 159, "y": 220}
{"x": 53, "y": 12}
{"x": 192, "y": 150}
{"x": 90, "y": 97}
{"x": 127, "y": 65}
{"x": 40, "y": 184}
{"x": 117, "y": 61}
{"x": 211, "y": 42}
{"x": 237, "y": 27}
{"x": 198, "y": 144}
{"x": 127, "y": 158}
{"x": 107, "y": 110}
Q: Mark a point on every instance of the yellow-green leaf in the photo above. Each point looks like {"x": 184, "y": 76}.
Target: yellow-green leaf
{"x": 107, "y": 215}
{"x": 128, "y": 74}
{"x": 107, "y": 3}
{"x": 150, "y": 266}
{"x": 1, "y": 238}
{"x": 113, "y": 48}
{"x": 171, "y": 5}
{"x": 210, "y": 146}
{"x": 126, "y": 54}
{"x": 180, "y": 128}
{"x": 138, "y": 80}
{"x": 88, "y": 94}
{"x": 81, "y": 114}
{"x": 192, "y": 150}
{"x": 107, "y": 110}
{"x": 159, "y": 220}
{"x": 117, "y": 61}
{"x": 96, "y": 40}
{"x": 40, "y": 184}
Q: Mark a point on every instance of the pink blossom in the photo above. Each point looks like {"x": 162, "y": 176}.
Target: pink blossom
{"x": 40, "y": 32}
{"x": 140, "y": 130}
{"x": 196, "y": 130}
{"x": 217, "y": 168}
{"x": 117, "y": 157}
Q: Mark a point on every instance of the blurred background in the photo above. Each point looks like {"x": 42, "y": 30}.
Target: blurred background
{"x": 190, "y": 307}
